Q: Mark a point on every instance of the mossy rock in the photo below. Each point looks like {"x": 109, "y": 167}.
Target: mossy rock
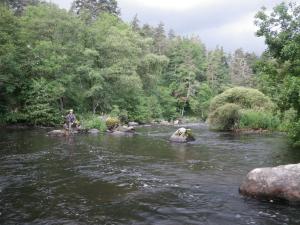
{"x": 182, "y": 135}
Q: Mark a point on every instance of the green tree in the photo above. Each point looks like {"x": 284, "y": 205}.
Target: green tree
{"x": 18, "y": 6}
{"x": 55, "y": 40}
{"x": 135, "y": 24}
{"x": 280, "y": 67}
{"x": 217, "y": 70}
{"x": 159, "y": 39}
{"x": 42, "y": 100}
{"x": 95, "y": 7}
{"x": 240, "y": 71}
{"x": 185, "y": 70}
{"x": 12, "y": 74}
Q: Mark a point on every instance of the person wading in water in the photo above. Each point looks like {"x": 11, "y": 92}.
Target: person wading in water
{"x": 70, "y": 119}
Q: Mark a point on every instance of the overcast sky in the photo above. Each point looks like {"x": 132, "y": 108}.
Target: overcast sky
{"x": 227, "y": 23}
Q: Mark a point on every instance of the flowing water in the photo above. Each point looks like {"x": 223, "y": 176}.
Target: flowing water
{"x": 142, "y": 179}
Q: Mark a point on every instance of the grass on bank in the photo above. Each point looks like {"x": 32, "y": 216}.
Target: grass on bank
{"x": 90, "y": 121}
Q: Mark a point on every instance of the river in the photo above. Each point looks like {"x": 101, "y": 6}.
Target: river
{"x": 143, "y": 179}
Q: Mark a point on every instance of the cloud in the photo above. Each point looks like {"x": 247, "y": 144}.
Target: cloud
{"x": 233, "y": 35}
{"x": 228, "y": 23}
{"x": 171, "y": 5}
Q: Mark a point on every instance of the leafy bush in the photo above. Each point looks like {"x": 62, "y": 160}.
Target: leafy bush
{"x": 41, "y": 108}
{"x": 289, "y": 117}
{"x": 225, "y": 117}
{"x": 200, "y": 103}
{"x": 294, "y": 133}
{"x": 121, "y": 114}
{"x": 115, "y": 111}
{"x": 258, "y": 120}
{"x": 241, "y": 107}
{"x": 112, "y": 122}
{"x": 92, "y": 121}
{"x": 246, "y": 98}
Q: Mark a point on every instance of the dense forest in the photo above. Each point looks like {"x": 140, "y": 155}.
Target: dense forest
{"x": 90, "y": 60}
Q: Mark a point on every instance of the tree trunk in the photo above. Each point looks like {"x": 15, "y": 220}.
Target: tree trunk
{"x": 61, "y": 101}
{"x": 95, "y": 106}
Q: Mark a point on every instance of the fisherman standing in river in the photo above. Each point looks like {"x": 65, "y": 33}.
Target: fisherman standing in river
{"x": 70, "y": 119}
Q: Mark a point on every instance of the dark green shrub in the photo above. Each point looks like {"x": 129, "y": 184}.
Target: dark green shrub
{"x": 289, "y": 117}
{"x": 200, "y": 103}
{"x": 225, "y": 117}
{"x": 294, "y": 133}
{"x": 92, "y": 121}
{"x": 258, "y": 120}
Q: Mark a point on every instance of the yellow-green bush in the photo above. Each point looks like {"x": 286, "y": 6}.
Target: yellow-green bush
{"x": 246, "y": 98}
{"x": 112, "y": 122}
{"x": 241, "y": 107}
{"x": 225, "y": 117}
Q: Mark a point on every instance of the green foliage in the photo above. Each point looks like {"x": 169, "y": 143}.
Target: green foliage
{"x": 90, "y": 121}
{"x": 112, "y": 122}
{"x": 241, "y": 68}
{"x": 115, "y": 111}
{"x": 294, "y": 133}
{"x": 280, "y": 29}
{"x": 90, "y": 60}
{"x": 217, "y": 70}
{"x": 258, "y": 120}
{"x": 278, "y": 71}
{"x": 289, "y": 117}
{"x": 241, "y": 107}
{"x": 246, "y": 98}
{"x": 40, "y": 101}
{"x": 121, "y": 114}
{"x": 200, "y": 102}
{"x": 13, "y": 118}
{"x": 168, "y": 104}
{"x": 225, "y": 117}
{"x": 185, "y": 70}
{"x": 95, "y": 8}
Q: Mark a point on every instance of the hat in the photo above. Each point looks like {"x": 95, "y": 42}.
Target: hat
{"x": 71, "y": 110}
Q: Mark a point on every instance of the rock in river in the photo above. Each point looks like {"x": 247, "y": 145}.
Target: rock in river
{"x": 122, "y": 130}
{"x": 281, "y": 182}
{"x": 93, "y": 131}
{"x": 182, "y": 135}
{"x": 57, "y": 133}
{"x": 133, "y": 124}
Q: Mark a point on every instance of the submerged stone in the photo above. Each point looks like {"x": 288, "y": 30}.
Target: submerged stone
{"x": 122, "y": 130}
{"x": 132, "y": 124}
{"x": 57, "y": 133}
{"x": 93, "y": 131}
{"x": 281, "y": 182}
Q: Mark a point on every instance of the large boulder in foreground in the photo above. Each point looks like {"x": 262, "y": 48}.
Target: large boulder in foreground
{"x": 275, "y": 183}
{"x": 182, "y": 135}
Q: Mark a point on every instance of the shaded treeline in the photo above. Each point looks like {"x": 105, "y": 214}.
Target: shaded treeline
{"x": 90, "y": 60}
